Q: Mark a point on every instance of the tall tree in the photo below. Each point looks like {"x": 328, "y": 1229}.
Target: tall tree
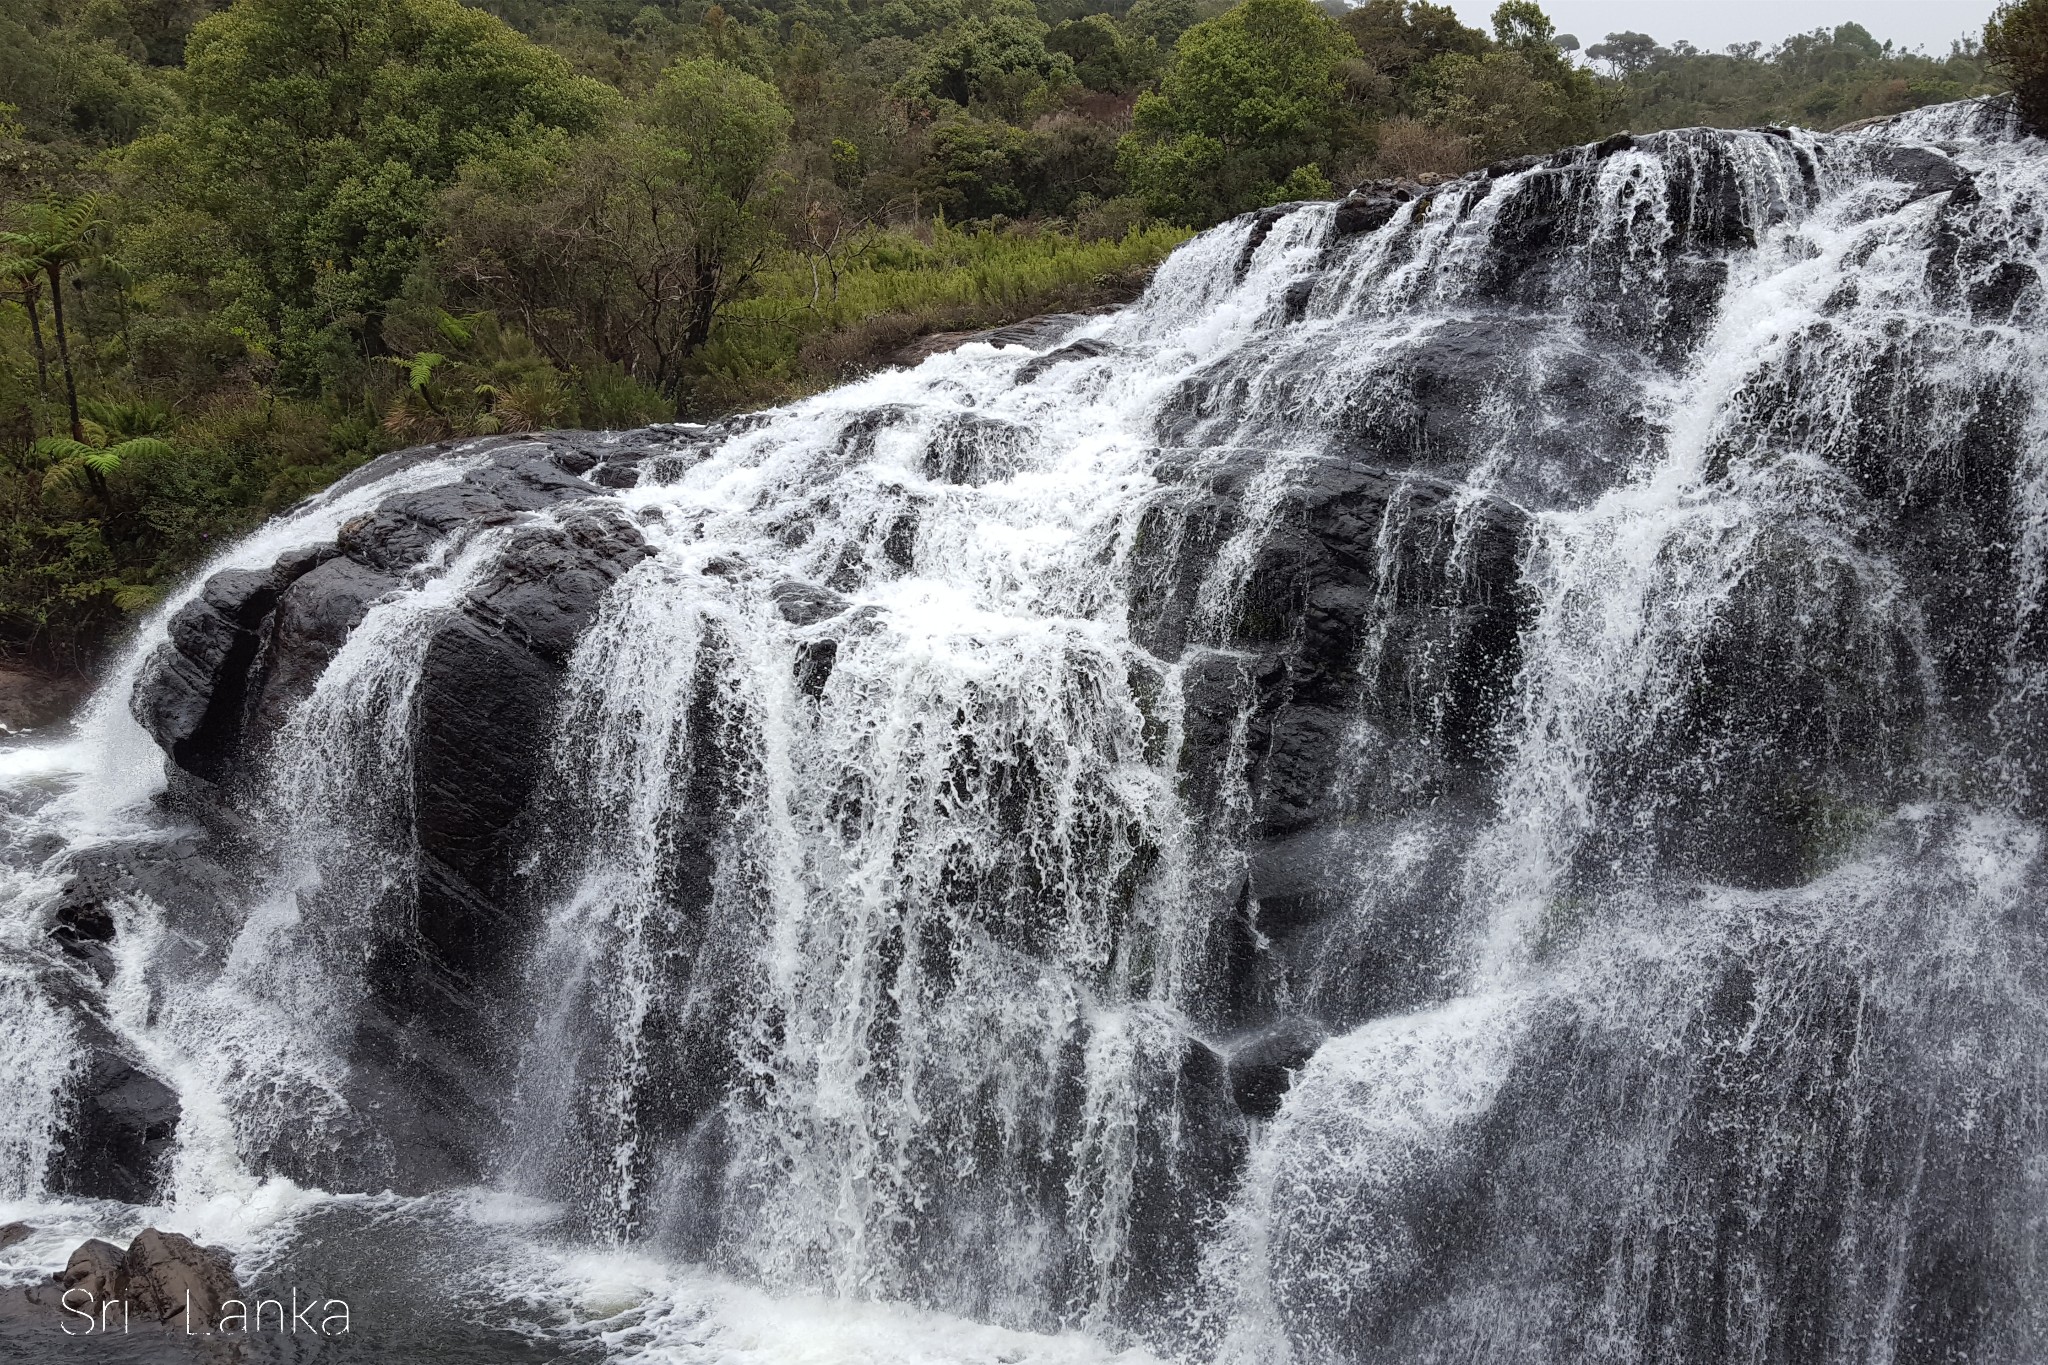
{"x": 718, "y": 135}
{"x": 1252, "y": 109}
{"x": 27, "y": 276}
{"x": 634, "y": 242}
{"x": 1397, "y": 36}
{"x": 997, "y": 58}
{"x": 56, "y": 234}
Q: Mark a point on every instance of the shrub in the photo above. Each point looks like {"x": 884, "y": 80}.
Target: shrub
{"x": 2016, "y": 40}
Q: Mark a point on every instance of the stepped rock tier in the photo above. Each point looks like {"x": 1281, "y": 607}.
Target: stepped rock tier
{"x": 1463, "y": 781}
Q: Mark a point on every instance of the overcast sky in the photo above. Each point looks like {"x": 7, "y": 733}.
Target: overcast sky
{"x": 1713, "y": 24}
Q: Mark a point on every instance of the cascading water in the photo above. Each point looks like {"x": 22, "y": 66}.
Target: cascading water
{"x": 1460, "y": 782}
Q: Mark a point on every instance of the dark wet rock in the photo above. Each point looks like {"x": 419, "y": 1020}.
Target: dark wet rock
{"x": 1087, "y": 348}
{"x": 623, "y": 466}
{"x": 857, "y": 438}
{"x": 82, "y": 927}
{"x": 1360, "y": 675}
{"x": 183, "y": 869}
{"x": 1545, "y": 404}
{"x": 119, "y": 1126}
{"x": 1296, "y": 877}
{"x": 116, "y": 1122}
{"x": 194, "y": 693}
{"x": 2004, "y": 291}
{"x": 1924, "y": 169}
{"x": 971, "y": 449}
{"x": 899, "y": 546}
{"x": 731, "y": 568}
{"x": 1263, "y": 223}
{"x": 31, "y": 700}
{"x": 1373, "y": 205}
{"x": 1031, "y": 332}
{"x": 255, "y": 643}
{"x": 1034, "y": 332}
{"x": 485, "y": 704}
{"x": 98, "y": 1269}
{"x": 815, "y": 660}
{"x": 805, "y": 604}
{"x": 546, "y": 586}
{"x": 1349, "y": 918}
{"x": 620, "y": 459}
{"x": 402, "y": 533}
{"x": 1312, "y": 591}
{"x": 1514, "y": 165}
{"x": 1970, "y": 267}
{"x": 1263, "y": 1070}
{"x": 1579, "y": 407}
{"x": 1294, "y": 302}
{"x": 12, "y": 1234}
{"x": 313, "y": 620}
{"x": 523, "y": 476}
{"x": 1185, "y": 1167}
{"x": 1619, "y": 142}
{"x": 174, "y": 1281}
{"x": 1536, "y": 256}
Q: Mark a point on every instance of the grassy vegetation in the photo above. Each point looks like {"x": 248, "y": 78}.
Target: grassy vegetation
{"x": 813, "y": 325}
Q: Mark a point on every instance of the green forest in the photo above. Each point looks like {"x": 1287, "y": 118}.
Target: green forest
{"x": 245, "y": 248}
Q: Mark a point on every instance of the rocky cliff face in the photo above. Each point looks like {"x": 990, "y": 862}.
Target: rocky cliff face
{"x": 429, "y": 1043}
{"x": 254, "y": 643}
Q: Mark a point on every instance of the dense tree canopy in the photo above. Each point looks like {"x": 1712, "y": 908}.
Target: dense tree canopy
{"x": 1253, "y": 107}
{"x": 319, "y": 132}
{"x": 996, "y": 59}
{"x": 633, "y": 241}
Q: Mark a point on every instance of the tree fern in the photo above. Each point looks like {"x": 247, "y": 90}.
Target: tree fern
{"x": 75, "y": 462}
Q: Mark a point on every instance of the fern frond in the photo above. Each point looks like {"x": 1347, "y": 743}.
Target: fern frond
{"x": 62, "y": 448}
{"x": 139, "y": 447}
{"x": 70, "y": 474}
{"x": 137, "y": 596}
{"x": 419, "y": 370}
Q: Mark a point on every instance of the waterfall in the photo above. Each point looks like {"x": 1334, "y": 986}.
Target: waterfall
{"x": 1460, "y": 781}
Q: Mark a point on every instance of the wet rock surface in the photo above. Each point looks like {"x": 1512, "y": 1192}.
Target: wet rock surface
{"x": 254, "y": 644}
{"x": 120, "y": 1127}
{"x": 35, "y": 700}
{"x": 1263, "y": 1069}
{"x": 163, "y": 1280}
{"x": 1033, "y": 332}
{"x": 116, "y": 1121}
{"x": 177, "y": 1282}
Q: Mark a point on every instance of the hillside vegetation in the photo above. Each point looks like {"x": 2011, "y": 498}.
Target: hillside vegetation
{"x": 247, "y": 248}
